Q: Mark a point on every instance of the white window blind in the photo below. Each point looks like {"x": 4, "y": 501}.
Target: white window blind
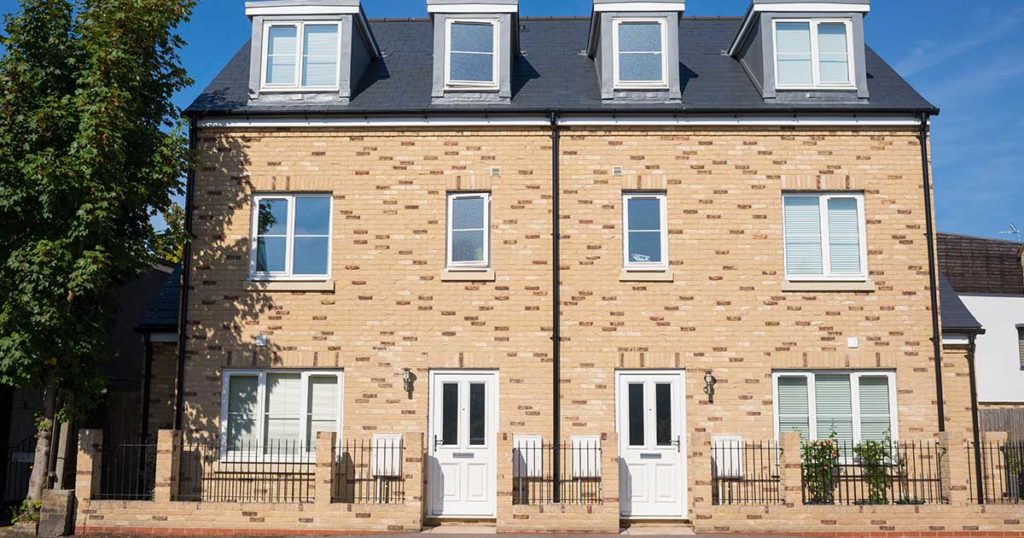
{"x": 322, "y": 407}
{"x": 812, "y": 54}
{"x": 283, "y": 411}
{"x": 834, "y": 407}
{"x": 301, "y": 56}
{"x": 282, "y": 46}
{"x": 793, "y": 53}
{"x": 803, "y": 235}
{"x": 824, "y": 236}
{"x": 1020, "y": 345}
{"x": 794, "y": 410}
{"x": 320, "y": 57}
{"x": 844, "y": 235}
{"x": 874, "y": 408}
{"x": 833, "y": 53}
{"x": 857, "y": 406}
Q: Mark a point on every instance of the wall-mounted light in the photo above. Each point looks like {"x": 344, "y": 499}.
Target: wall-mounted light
{"x": 408, "y": 379}
{"x": 261, "y": 340}
{"x": 709, "y": 386}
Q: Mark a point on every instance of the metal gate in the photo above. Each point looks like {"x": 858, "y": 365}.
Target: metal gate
{"x": 16, "y": 467}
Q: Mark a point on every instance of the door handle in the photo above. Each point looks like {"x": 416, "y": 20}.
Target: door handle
{"x": 437, "y": 442}
{"x": 678, "y": 443}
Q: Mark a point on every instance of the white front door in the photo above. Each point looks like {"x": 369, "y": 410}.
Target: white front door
{"x": 652, "y": 444}
{"x": 461, "y": 476}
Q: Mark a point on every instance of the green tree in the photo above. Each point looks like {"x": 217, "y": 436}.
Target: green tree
{"x": 91, "y": 147}
{"x": 169, "y": 244}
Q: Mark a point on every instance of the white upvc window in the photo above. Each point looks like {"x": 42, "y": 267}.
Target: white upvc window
{"x": 471, "y": 57}
{"x": 639, "y": 53}
{"x": 825, "y": 237}
{"x": 1020, "y": 344}
{"x": 291, "y": 237}
{"x": 856, "y": 406}
{"x": 645, "y": 231}
{"x": 469, "y": 231}
{"x": 278, "y": 413}
{"x": 301, "y": 56}
{"x": 814, "y": 54}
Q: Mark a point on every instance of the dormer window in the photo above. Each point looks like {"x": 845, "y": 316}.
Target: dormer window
{"x": 301, "y": 56}
{"x": 639, "y": 53}
{"x": 471, "y": 58}
{"x": 813, "y": 54}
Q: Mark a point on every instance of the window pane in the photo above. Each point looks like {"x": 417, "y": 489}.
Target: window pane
{"x": 1020, "y": 344}
{"x": 310, "y": 256}
{"x": 312, "y": 215}
{"x": 273, "y": 217}
{"x": 468, "y": 246}
{"x": 242, "y": 401}
{"x": 803, "y": 235}
{"x": 468, "y": 213}
{"x": 283, "y": 406}
{"x": 644, "y": 214}
{"x": 844, "y": 235}
{"x": 834, "y": 407}
{"x": 636, "y": 414}
{"x": 640, "y": 67}
{"x": 472, "y": 37}
{"x": 874, "y": 408}
{"x": 639, "y": 37}
{"x": 450, "y": 414}
{"x": 282, "y": 45}
{"x": 270, "y": 254}
{"x": 477, "y": 414}
{"x": 472, "y": 67}
{"x": 320, "y": 59}
{"x": 663, "y": 410}
{"x": 793, "y": 48}
{"x": 322, "y": 407}
{"x": 794, "y": 409}
{"x": 645, "y": 247}
{"x": 832, "y": 52}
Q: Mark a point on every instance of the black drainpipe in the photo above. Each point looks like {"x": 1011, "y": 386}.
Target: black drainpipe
{"x": 186, "y": 271}
{"x": 556, "y": 329}
{"x": 932, "y": 281}
{"x": 147, "y": 386}
{"x": 974, "y": 420}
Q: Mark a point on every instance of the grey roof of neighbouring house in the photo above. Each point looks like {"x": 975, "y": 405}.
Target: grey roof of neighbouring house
{"x": 955, "y": 315}
{"x": 161, "y": 314}
{"x": 554, "y": 74}
{"x": 980, "y": 265}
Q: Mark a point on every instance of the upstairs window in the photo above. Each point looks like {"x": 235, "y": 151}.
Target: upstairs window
{"x": 1020, "y": 344}
{"x": 301, "y": 56}
{"x": 824, "y": 237}
{"x": 639, "y": 53}
{"x": 471, "y": 60}
{"x": 469, "y": 231}
{"x": 646, "y": 236}
{"x": 813, "y": 54}
{"x": 291, "y": 237}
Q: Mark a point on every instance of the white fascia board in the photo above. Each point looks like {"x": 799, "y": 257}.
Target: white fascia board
{"x": 955, "y": 340}
{"x": 630, "y": 7}
{"x": 473, "y": 8}
{"x": 298, "y": 11}
{"x": 812, "y": 7}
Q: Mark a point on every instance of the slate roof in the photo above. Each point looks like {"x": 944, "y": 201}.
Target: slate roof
{"x": 553, "y": 74}
{"x": 983, "y": 266}
{"x": 956, "y": 317}
{"x": 161, "y": 313}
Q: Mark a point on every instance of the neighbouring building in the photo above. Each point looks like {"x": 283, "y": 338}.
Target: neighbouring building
{"x": 559, "y": 274}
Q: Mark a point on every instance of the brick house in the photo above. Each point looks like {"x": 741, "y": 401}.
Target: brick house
{"x": 575, "y": 272}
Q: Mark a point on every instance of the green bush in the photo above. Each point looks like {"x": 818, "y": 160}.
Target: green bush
{"x": 875, "y": 458}
{"x": 820, "y": 466}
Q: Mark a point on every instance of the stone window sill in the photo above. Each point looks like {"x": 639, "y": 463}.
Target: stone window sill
{"x": 646, "y": 276}
{"x": 288, "y": 285}
{"x": 483, "y": 275}
{"x": 827, "y": 286}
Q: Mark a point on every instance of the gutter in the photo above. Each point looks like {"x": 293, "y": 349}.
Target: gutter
{"x": 556, "y": 328}
{"x": 933, "y": 283}
{"x": 186, "y": 272}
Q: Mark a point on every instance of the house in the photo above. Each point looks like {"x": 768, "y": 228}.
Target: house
{"x": 988, "y": 275}
{"x": 557, "y": 274}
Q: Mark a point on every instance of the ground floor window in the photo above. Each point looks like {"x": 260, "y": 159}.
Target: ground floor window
{"x": 279, "y": 411}
{"x": 853, "y": 406}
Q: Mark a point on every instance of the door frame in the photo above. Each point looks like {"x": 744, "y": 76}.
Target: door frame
{"x": 492, "y": 418}
{"x": 680, "y": 374}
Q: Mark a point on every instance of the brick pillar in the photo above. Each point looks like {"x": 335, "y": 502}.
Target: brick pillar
{"x": 326, "y": 455}
{"x": 168, "y": 463}
{"x": 610, "y": 470}
{"x": 505, "y": 519}
{"x": 955, "y": 468}
{"x": 791, "y": 470}
{"x": 701, "y": 484}
{"x": 413, "y": 467}
{"x": 90, "y": 460}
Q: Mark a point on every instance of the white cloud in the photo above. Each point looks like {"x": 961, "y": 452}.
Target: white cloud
{"x": 933, "y": 52}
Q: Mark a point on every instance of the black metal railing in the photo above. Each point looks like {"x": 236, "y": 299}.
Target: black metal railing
{"x": 128, "y": 471}
{"x": 891, "y": 473}
{"x": 578, "y": 477}
{"x": 1002, "y": 472}
{"x": 17, "y": 463}
{"x": 370, "y": 471}
{"x": 745, "y": 472}
{"x": 246, "y": 472}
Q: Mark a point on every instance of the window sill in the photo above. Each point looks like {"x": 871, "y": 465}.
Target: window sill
{"x": 828, "y": 286}
{"x": 633, "y": 275}
{"x": 289, "y": 285}
{"x": 480, "y": 275}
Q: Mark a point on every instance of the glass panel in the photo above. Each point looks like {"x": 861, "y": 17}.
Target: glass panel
{"x": 844, "y": 235}
{"x": 794, "y": 408}
{"x": 803, "y": 235}
{"x": 472, "y": 37}
{"x": 312, "y": 215}
{"x": 320, "y": 59}
{"x": 472, "y": 67}
{"x": 640, "y": 37}
{"x": 477, "y": 414}
{"x": 874, "y": 408}
{"x": 1020, "y": 344}
{"x": 283, "y": 408}
{"x": 663, "y": 411}
{"x": 273, "y": 217}
{"x": 270, "y": 254}
{"x": 468, "y": 213}
{"x": 282, "y": 46}
{"x": 322, "y": 407}
{"x": 834, "y": 407}
{"x": 640, "y": 67}
{"x": 645, "y": 247}
{"x": 472, "y": 52}
{"x": 450, "y": 414}
{"x": 793, "y": 48}
{"x": 644, "y": 214}
{"x": 242, "y": 405}
{"x": 310, "y": 256}
{"x": 834, "y": 59}
{"x": 468, "y": 246}
{"x": 636, "y": 414}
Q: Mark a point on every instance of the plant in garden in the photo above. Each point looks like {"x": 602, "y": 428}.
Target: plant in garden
{"x": 875, "y": 459}
{"x": 91, "y": 148}
{"x": 820, "y": 465}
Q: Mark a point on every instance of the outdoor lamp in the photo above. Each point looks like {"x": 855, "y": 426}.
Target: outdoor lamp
{"x": 709, "y": 386}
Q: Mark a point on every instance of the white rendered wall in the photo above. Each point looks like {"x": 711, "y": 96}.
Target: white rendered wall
{"x": 1000, "y": 378}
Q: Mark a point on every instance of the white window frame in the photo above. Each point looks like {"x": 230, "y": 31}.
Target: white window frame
{"x": 288, "y": 274}
{"x": 816, "y": 83}
{"x": 619, "y": 84}
{"x": 468, "y": 266}
{"x": 300, "y": 38}
{"x": 855, "y": 376}
{"x": 629, "y": 265}
{"x": 261, "y": 401}
{"x": 474, "y": 85}
{"x": 826, "y": 254}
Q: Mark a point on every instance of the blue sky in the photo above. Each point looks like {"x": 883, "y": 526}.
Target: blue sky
{"x": 963, "y": 56}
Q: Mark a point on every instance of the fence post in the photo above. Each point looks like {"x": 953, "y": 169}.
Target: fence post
{"x": 168, "y": 463}
{"x": 89, "y": 466}
{"x": 413, "y": 467}
{"x": 505, "y": 520}
{"x": 326, "y": 455}
{"x": 791, "y": 470}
